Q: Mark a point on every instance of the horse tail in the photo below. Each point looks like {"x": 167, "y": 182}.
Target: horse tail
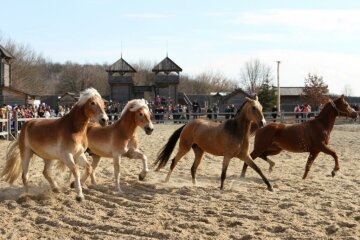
{"x": 166, "y": 151}
{"x": 13, "y": 164}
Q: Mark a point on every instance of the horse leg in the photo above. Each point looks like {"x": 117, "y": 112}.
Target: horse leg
{"x": 271, "y": 163}
{"x": 69, "y": 160}
{"x": 53, "y": 184}
{"x": 325, "y": 149}
{"x": 199, "y": 153}
{"x": 88, "y": 168}
{"x": 182, "y": 151}
{"x": 26, "y": 157}
{"x": 226, "y": 161}
{"x": 95, "y": 162}
{"x": 136, "y": 154}
{"x": 251, "y": 163}
{"x": 309, "y": 162}
{"x": 117, "y": 160}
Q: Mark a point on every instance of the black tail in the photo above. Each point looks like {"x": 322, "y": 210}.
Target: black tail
{"x": 166, "y": 151}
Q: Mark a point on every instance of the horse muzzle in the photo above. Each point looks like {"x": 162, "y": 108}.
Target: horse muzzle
{"x": 103, "y": 120}
{"x": 262, "y": 123}
{"x": 148, "y": 130}
{"x": 354, "y": 115}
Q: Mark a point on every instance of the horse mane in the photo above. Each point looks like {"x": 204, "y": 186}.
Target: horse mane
{"x": 134, "y": 105}
{"x": 231, "y": 125}
{"x": 86, "y": 95}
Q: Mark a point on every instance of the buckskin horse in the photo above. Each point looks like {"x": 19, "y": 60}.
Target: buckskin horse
{"x": 120, "y": 139}
{"x": 63, "y": 139}
{"x": 229, "y": 139}
{"x": 312, "y": 136}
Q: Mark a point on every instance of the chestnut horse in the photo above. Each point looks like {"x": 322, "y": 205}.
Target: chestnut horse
{"x": 229, "y": 139}
{"x": 120, "y": 139}
{"x": 312, "y": 136}
{"x": 63, "y": 139}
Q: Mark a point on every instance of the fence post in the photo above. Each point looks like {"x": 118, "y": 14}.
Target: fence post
{"x": 16, "y": 124}
{"x": 8, "y": 115}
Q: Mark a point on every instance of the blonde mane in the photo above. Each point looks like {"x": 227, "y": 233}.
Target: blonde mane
{"x": 86, "y": 94}
{"x": 134, "y": 105}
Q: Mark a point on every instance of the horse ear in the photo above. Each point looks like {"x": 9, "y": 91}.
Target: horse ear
{"x": 248, "y": 99}
{"x": 256, "y": 97}
{"x": 342, "y": 96}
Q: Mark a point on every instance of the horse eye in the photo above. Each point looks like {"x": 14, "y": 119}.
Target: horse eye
{"x": 92, "y": 103}
{"x": 254, "y": 108}
{"x": 141, "y": 114}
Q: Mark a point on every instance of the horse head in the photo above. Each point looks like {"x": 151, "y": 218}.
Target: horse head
{"x": 94, "y": 106}
{"x": 142, "y": 115}
{"x": 343, "y": 108}
{"x": 253, "y": 111}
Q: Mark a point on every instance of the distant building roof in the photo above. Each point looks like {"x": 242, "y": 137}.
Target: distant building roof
{"x": 235, "y": 92}
{"x": 167, "y": 65}
{"x": 121, "y": 66}
{"x": 290, "y": 91}
{"x": 5, "y": 53}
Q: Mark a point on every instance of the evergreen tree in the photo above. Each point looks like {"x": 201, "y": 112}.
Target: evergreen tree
{"x": 267, "y": 95}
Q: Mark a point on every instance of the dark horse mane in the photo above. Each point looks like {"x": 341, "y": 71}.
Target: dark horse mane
{"x": 236, "y": 130}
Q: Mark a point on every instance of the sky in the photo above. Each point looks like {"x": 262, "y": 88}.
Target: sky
{"x": 310, "y": 36}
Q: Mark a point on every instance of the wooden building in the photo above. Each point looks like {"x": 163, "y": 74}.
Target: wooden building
{"x": 9, "y": 95}
{"x": 120, "y": 78}
{"x": 166, "y": 81}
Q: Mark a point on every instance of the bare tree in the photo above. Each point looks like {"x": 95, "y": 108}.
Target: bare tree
{"x": 253, "y": 75}
{"x": 144, "y": 74}
{"x": 205, "y": 83}
{"x": 315, "y": 91}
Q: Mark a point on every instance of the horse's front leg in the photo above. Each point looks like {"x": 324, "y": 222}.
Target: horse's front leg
{"x": 136, "y": 154}
{"x": 69, "y": 161}
{"x": 249, "y": 161}
{"x": 225, "y": 165}
{"x": 309, "y": 162}
{"x": 82, "y": 160}
{"x": 325, "y": 149}
{"x": 117, "y": 161}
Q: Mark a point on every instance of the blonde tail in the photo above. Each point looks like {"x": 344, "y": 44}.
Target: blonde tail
{"x": 13, "y": 166}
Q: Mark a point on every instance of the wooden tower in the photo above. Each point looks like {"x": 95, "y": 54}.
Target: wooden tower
{"x": 120, "y": 77}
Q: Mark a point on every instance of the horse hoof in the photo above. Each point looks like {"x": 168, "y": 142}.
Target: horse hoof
{"x": 72, "y": 184}
{"x": 79, "y": 198}
{"x": 270, "y": 189}
{"x": 333, "y": 173}
{"x": 142, "y": 176}
{"x": 56, "y": 190}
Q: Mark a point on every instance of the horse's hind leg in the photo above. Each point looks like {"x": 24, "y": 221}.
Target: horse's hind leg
{"x": 53, "y": 184}
{"x": 309, "y": 162}
{"x": 26, "y": 155}
{"x": 136, "y": 154}
{"x": 183, "y": 149}
{"x": 251, "y": 163}
{"x": 199, "y": 153}
{"x": 95, "y": 162}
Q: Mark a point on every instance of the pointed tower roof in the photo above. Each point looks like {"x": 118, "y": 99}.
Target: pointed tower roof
{"x": 121, "y": 66}
{"x": 4, "y": 53}
{"x": 167, "y": 65}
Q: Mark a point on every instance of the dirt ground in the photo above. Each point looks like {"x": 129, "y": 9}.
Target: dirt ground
{"x": 320, "y": 207}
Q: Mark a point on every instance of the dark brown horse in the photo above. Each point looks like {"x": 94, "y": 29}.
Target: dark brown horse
{"x": 311, "y": 136}
{"x": 229, "y": 139}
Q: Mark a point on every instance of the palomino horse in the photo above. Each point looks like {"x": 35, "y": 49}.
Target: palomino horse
{"x": 229, "y": 139}
{"x": 312, "y": 136}
{"x": 63, "y": 139}
{"x": 120, "y": 139}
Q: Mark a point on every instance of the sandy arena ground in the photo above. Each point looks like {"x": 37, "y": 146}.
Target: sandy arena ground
{"x": 320, "y": 207}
